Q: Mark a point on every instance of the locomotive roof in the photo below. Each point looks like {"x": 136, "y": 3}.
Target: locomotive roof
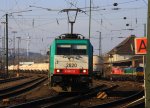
{"x": 71, "y": 36}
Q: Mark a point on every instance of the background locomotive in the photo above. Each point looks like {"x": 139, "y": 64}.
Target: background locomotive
{"x": 130, "y": 73}
{"x": 71, "y": 63}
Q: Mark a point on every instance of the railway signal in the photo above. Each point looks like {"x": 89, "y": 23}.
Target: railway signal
{"x": 140, "y": 45}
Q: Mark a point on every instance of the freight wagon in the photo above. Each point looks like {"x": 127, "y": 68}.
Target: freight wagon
{"x": 97, "y": 66}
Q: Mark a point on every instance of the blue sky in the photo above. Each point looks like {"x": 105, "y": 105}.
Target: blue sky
{"x": 43, "y": 25}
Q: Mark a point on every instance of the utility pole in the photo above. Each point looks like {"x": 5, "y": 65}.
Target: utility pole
{"x": 90, "y": 20}
{"x": 14, "y": 52}
{"x": 147, "y": 70}
{"x": 18, "y": 55}
{"x": 7, "y": 45}
{"x": 100, "y": 49}
{"x": 6, "y": 50}
{"x": 145, "y": 30}
{"x": 3, "y": 48}
{"x": 6, "y": 67}
{"x": 100, "y": 44}
{"x": 28, "y": 40}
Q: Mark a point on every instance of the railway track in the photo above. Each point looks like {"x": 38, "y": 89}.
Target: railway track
{"x": 13, "y": 92}
{"x": 74, "y": 99}
{"x": 139, "y": 103}
{"x": 120, "y": 103}
{"x": 5, "y": 91}
{"x": 12, "y": 79}
{"x": 35, "y": 71}
{"x": 63, "y": 99}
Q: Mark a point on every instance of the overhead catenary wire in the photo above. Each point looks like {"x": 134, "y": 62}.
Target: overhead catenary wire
{"x": 93, "y": 19}
{"x": 121, "y": 3}
{"x": 145, "y": 2}
{"x": 43, "y": 20}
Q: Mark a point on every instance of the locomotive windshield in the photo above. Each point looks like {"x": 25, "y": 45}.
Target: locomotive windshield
{"x": 71, "y": 50}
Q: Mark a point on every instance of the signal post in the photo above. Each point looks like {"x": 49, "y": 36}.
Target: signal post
{"x": 147, "y": 70}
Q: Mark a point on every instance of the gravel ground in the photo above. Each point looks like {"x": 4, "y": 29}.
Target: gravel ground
{"x": 42, "y": 91}
{"x": 123, "y": 86}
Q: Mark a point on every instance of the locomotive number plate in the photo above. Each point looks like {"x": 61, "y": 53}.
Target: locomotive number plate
{"x": 71, "y": 65}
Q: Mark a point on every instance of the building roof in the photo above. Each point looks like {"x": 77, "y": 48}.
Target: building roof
{"x": 126, "y": 47}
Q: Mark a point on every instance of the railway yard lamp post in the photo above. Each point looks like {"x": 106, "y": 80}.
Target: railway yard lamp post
{"x": 90, "y": 17}
{"x": 100, "y": 50}
{"x": 1, "y": 52}
{"x": 28, "y": 40}
{"x": 18, "y": 55}
{"x": 14, "y": 48}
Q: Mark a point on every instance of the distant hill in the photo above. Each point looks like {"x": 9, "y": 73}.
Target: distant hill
{"x": 32, "y": 57}
{"x": 31, "y": 54}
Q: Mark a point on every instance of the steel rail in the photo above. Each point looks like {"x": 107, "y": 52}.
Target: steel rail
{"x": 47, "y": 100}
{"x": 139, "y": 103}
{"x": 39, "y": 102}
{"x": 9, "y": 89}
{"x": 12, "y": 79}
{"x": 22, "y": 90}
{"x": 120, "y": 101}
{"x": 79, "y": 98}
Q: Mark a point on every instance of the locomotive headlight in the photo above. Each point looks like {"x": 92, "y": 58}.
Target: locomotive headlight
{"x": 57, "y": 70}
{"x": 84, "y": 71}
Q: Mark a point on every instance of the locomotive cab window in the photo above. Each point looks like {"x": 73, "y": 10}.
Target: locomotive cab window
{"x": 79, "y": 49}
{"x": 71, "y": 50}
{"x": 63, "y": 49}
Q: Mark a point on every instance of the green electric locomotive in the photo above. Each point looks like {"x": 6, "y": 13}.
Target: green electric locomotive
{"x": 71, "y": 63}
